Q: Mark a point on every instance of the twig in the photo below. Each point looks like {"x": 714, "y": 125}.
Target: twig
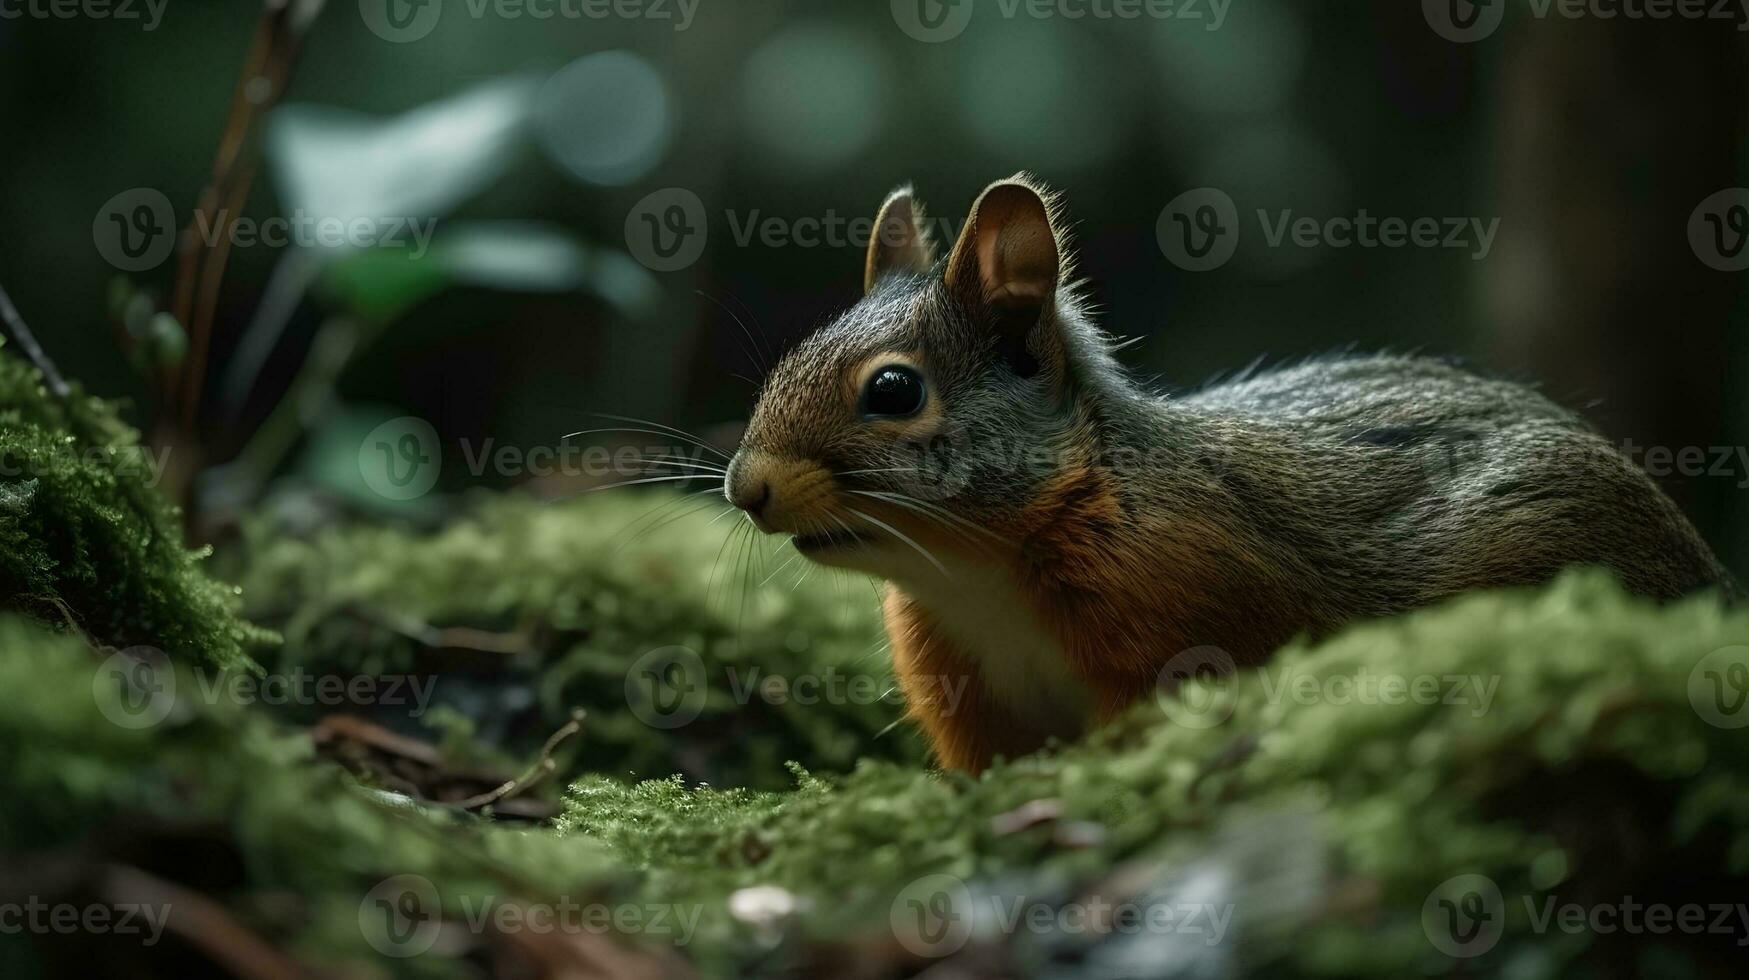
{"x": 200, "y": 266}
{"x": 445, "y": 637}
{"x": 26, "y": 341}
{"x": 542, "y": 767}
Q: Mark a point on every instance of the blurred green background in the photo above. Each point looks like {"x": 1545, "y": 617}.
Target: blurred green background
{"x": 1592, "y": 141}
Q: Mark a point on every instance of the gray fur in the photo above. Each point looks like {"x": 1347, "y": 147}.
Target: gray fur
{"x": 1367, "y": 484}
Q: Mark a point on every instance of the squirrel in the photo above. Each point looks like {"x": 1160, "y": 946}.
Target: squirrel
{"x": 1052, "y": 534}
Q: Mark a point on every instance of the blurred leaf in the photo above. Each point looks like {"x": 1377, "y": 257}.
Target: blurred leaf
{"x": 515, "y": 256}
{"x": 380, "y": 285}
{"x": 332, "y": 163}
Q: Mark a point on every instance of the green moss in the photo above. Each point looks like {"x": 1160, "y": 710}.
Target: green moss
{"x": 1577, "y": 766}
{"x": 217, "y": 799}
{"x": 578, "y": 592}
{"x": 84, "y": 536}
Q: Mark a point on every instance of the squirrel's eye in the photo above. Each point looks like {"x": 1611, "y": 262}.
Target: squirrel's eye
{"x": 894, "y": 391}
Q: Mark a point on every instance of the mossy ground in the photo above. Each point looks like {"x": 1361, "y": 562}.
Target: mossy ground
{"x": 85, "y": 536}
{"x": 1567, "y": 744}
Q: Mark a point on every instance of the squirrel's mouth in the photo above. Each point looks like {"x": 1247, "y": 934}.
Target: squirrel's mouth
{"x": 828, "y": 541}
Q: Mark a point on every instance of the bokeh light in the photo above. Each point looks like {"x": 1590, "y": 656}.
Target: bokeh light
{"x": 605, "y": 118}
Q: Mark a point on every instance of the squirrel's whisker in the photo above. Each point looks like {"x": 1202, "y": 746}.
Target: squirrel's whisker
{"x": 655, "y": 465}
{"x": 667, "y": 457}
{"x": 657, "y": 479}
{"x": 926, "y": 509}
{"x": 894, "y": 469}
{"x": 687, "y": 504}
{"x": 666, "y": 431}
{"x": 763, "y": 362}
{"x": 895, "y": 532}
{"x": 780, "y": 569}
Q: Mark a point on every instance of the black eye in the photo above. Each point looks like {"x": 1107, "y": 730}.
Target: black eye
{"x": 893, "y": 392}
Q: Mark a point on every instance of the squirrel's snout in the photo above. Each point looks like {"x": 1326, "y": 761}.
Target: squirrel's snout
{"x": 780, "y": 494}
{"x": 750, "y": 497}
{"x": 748, "y": 487}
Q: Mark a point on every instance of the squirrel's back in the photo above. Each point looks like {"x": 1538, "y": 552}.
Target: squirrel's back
{"x": 1402, "y": 479}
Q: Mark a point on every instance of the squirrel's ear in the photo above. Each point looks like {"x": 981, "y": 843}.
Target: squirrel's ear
{"x": 1006, "y": 259}
{"x": 898, "y": 242}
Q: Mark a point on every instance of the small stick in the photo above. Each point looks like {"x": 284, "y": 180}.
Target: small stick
{"x": 27, "y": 342}
{"x": 542, "y": 767}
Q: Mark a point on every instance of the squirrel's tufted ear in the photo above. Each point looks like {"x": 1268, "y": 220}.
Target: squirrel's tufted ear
{"x": 898, "y": 242}
{"x": 1006, "y": 260}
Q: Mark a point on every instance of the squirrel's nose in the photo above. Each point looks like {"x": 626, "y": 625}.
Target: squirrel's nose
{"x": 753, "y": 502}
{"x": 747, "y": 487}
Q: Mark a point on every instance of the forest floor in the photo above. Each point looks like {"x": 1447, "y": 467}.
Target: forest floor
{"x": 566, "y": 739}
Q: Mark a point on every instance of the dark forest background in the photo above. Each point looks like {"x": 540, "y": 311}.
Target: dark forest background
{"x": 1592, "y": 140}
